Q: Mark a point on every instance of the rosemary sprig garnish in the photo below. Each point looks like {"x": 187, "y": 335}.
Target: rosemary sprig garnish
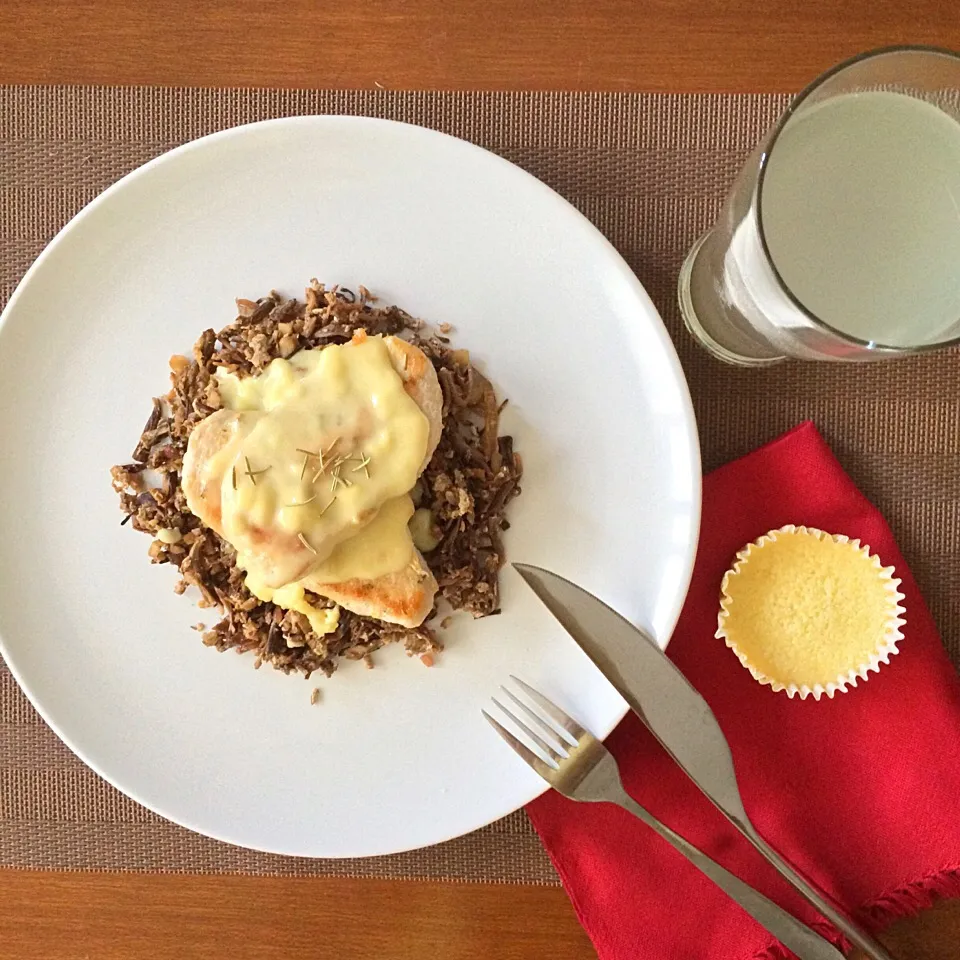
{"x": 306, "y": 543}
{"x": 233, "y": 476}
{"x": 363, "y": 465}
{"x": 309, "y": 455}
{"x": 327, "y": 507}
{"x": 324, "y": 465}
{"x": 337, "y": 479}
{"x": 302, "y": 503}
{"x": 253, "y": 474}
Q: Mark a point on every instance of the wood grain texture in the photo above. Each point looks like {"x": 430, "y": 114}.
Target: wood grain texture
{"x": 656, "y": 45}
{"x": 933, "y": 935}
{"x": 49, "y": 916}
{"x": 664, "y": 45}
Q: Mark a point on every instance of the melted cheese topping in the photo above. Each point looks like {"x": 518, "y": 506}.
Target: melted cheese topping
{"x": 320, "y": 406}
{"x": 383, "y": 546}
{"x": 293, "y": 597}
{"x": 280, "y": 480}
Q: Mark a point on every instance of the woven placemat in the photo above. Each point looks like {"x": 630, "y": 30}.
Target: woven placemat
{"x": 650, "y": 171}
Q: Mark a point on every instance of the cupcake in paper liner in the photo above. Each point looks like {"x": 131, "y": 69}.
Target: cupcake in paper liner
{"x": 809, "y": 612}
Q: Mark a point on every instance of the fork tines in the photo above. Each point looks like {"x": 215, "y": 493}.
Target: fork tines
{"x": 558, "y": 737}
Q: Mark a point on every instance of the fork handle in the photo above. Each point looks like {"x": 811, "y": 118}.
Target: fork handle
{"x": 793, "y": 934}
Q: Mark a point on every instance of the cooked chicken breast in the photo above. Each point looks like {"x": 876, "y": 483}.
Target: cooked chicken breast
{"x": 205, "y": 459}
{"x": 213, "y": 444}
{"x": 404, "y": 595}
{"x": 421, "y": 383}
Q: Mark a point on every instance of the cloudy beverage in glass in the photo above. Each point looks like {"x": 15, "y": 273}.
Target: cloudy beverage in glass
{"x": 845, "y": 242}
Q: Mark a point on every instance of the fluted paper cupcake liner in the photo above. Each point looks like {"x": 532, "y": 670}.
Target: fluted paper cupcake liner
{"x": 890, "y": 636}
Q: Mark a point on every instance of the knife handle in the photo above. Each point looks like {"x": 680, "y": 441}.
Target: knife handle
{"x": 854, "y": 933}
{"x": 794, "y": 935}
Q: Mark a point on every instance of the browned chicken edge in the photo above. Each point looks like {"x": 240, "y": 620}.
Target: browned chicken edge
{"x": 472, "y": 477}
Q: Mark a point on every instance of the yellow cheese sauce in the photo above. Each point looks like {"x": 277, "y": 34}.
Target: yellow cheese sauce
{"x": 325, "y": 461}
{"x": 293, "y": 597}
{"x": 383, "y": 546}
{"x": 336, "y": 438}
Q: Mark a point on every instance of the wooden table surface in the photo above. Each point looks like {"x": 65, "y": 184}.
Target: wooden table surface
{"x": 660, "y": 45}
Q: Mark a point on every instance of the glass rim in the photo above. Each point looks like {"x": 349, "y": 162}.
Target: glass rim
{"x": 788, "y": 114}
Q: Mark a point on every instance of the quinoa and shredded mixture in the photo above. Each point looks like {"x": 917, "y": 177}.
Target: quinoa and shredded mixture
{"x": 467, "y": 485}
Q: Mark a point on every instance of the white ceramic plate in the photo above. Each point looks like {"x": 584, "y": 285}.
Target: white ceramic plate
{"x": 398, "y": 757}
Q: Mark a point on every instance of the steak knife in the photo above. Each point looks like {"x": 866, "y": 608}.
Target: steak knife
{"x": 677, "y": 715}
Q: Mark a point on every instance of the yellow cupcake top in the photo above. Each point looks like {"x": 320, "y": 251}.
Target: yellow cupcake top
{"x": 808, "y": 612}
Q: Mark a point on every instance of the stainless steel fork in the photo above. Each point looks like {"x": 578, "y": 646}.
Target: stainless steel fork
{"x": 582, "y": 768}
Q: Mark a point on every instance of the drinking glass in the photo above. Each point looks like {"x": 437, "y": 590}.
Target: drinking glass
{"x": 840, "y": 239}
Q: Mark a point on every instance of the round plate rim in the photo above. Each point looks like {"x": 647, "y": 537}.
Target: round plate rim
{"x": 656, "y": 324}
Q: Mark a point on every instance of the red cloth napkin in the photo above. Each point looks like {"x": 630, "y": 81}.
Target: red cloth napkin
{"x": 862, "y": 792}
